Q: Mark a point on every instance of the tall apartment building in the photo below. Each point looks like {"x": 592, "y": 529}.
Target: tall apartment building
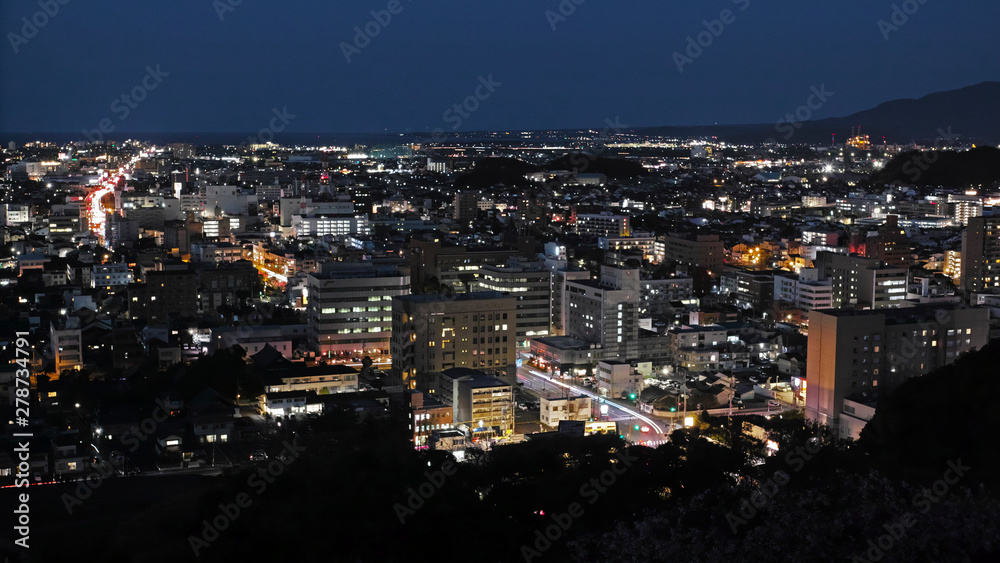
{"x": 750, "y": 289}
{"x": 656, "y": 295}
{"x": 691, "y": 250}
{"x": 981, "y": 255}
{"x": 605, "y": 312}
{"x": 66, "y": 340}
{"x": 466, "y": 206}
{"x": 953, "y": 266}
{"x": 530, "y": 284}
{"x": 965, "y": 207}
{"x": 451, "y": 266}
{"x": 603, "y": 225}
{"x": 166, "y": 294}
{"x": 890, "y": 245}
{"x": 557, "y": 263}
{"x": 434, "y": 333}
{"x": 349, "y": 308}
{"x": 867, "y": 354}
{"x": 865, "y": 283}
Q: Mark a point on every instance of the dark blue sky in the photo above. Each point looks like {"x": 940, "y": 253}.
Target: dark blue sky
{"x": 607, "y": 59}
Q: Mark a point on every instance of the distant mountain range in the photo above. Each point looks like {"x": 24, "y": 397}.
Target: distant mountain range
{"x": 968, "y": 113}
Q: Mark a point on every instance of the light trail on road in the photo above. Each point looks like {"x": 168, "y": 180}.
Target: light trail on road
{"x": 640, "y": 416}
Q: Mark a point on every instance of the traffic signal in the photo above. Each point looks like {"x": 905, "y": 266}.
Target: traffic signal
{"x": 631, "y": 396}
{"x": 636, "y": 427}
{"x": 673, "y": 409}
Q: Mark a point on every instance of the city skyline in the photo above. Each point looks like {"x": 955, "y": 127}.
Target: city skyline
{"x": 225, "y": 66}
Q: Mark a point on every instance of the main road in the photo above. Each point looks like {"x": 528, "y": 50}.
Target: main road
{"x": 96, "y": 212}
{"x": 553, "y": 387}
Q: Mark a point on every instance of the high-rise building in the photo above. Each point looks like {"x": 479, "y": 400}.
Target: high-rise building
{"x": 466, "y": 206}
{"x": 749, "y": 289}
{"x": 166, "y": 294}
{"x": 691, "y": 250}
{"x": 454, "y": 267}
{"x": 867, "y": 354}
{"x": 530, "y": 284}
{"x": 605, "y": 312}
{"x": 865, "y": 283}
{"x": 349, "y": 308}
{"x": 890, "y": 245}
{"x": 433, "y": 333}
{"x": 953, "y": 266}
{"x": 603, "y": 225}
{"x": 981, "y": 255}
{"x": 965, "y": 207}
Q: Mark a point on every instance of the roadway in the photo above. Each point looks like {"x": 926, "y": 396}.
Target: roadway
{"x": 107, "y": 185}
{"x": 549, "y": 387}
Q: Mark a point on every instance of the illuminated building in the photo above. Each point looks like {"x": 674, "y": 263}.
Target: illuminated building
{"x": 603, "y": 225}
{"x": 276, "y": 268}
{"x": 433, "y": 333}
{"x": 691, "y": 251}
{"x": 981, "y": 255}
{"x": 530, "y": 284}
{"x": 349, "y": 308}
{"x": 867, "y": 354}
{"x": 67, "y": 343}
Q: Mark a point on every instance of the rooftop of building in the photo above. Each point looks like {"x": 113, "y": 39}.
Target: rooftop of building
{"x": 562, "y": 342}
{"x": 474, "y": 296}
{"x": 914, "y": 314}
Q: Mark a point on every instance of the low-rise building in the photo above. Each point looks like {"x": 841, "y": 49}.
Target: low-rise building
{"x": 554, "y": 410}
{"x": 617, "y": 378}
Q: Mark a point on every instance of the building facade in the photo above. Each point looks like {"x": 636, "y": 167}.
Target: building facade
{"x": 349, "y": 308}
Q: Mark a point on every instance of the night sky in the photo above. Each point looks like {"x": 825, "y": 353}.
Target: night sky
{"x": 229, "y": 67}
